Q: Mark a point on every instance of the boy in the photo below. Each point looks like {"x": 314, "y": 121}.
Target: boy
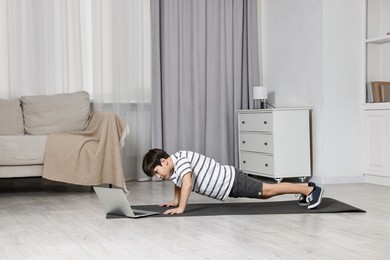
{"x": 191, "y": 171}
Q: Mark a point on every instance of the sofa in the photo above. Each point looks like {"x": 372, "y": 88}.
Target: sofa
{"x": 26, "y": 123}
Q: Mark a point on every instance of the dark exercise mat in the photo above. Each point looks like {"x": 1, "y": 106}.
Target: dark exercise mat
{"x": 327, "y": 205}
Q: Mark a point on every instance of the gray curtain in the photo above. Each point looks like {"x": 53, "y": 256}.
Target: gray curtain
{"x": 204, "y": 65}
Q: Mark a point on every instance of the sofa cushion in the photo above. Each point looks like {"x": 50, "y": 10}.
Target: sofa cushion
{"x": 48, "y": 114}
{"x": 11, "y": 117}
{"x": 22, "y": 150}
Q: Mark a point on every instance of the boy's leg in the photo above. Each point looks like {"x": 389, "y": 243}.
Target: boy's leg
{"x": 270, "y": 190}
{"x": 313, "y": 193}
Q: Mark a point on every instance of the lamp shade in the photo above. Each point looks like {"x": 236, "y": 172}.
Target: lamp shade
{"x": 260, "y": 92}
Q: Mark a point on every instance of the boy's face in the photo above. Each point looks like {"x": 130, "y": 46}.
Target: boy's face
{"x": 163, "y": 171}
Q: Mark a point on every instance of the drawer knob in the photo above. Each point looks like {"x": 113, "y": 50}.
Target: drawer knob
{"x": 265, "y": 122}
{"x": 243, "y": 161}
{"x": 243, "y": 122}
{"x": 266, "y": 165}
{"x": 243, "y": 142}
{"x": 265, "y": 143}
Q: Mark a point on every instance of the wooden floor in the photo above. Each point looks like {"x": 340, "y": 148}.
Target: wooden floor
{"x": 40, "y": 219}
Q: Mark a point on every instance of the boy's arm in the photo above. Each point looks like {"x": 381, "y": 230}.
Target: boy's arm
{"x": 175, "y": 203}
{"x": 184, "y": 195}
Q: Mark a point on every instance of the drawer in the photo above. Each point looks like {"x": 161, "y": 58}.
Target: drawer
{"x": 256, "y": 142}
{"x": 255, "y": 162}
{"x": 255, "y": 122}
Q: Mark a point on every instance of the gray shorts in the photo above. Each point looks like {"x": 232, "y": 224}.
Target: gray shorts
{"x": 245, "y": 186}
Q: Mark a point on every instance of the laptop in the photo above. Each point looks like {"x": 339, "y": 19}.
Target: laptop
{"x": 115, "y": 203}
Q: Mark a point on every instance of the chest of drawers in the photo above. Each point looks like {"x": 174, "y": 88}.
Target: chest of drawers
{"x": 275, "y": 143}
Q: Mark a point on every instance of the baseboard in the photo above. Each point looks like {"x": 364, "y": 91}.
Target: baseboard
{"x": 338, "y": 179}
{"x": 376, "y": 179}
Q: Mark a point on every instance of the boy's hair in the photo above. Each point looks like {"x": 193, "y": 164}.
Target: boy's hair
{"x": 152, "y": 159}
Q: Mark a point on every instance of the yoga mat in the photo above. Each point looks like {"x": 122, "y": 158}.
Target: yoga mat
{"x": 327, "y": 205}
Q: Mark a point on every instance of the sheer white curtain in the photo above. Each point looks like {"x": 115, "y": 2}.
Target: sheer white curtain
{"x": 122, "y": 72}
{"x": 43, "y": 48}
{"x": 101, "y": 46}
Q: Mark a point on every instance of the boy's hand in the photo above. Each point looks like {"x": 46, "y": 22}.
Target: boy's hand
{"x": 171, "y": 204}
{"x": 181, "y": 196}
{"x": 173, "y": 211}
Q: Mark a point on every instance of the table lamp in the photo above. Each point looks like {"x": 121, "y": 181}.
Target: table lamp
{"x": 260, "y": 97}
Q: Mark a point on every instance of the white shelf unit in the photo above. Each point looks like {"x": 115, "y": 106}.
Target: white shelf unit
{"x": 275, "y": 143}
{"x": 377, "y": 146}
{"x": 377, "y": 115}
{"x": 377, "y": 40}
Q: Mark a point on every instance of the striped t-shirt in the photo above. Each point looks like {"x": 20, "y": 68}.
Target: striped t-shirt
{"x": 209, "y": 178}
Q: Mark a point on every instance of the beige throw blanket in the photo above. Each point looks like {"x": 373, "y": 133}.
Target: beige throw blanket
{"x": 89, "y": 157}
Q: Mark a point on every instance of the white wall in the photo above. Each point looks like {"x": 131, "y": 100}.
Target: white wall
{"x": 312, "y": 56}
{"x": 343, "y": 74}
